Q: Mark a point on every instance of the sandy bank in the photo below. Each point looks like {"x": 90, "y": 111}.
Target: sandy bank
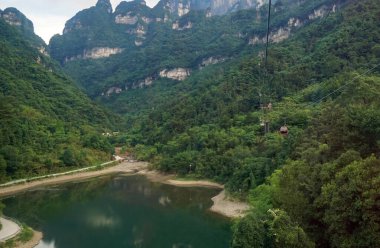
{"x": 229, "y": 207}
{"x": 37, "y": 237}
{"x": 200, "y": 183}
{"x": 124, "y": 167}
{"x": 222, "y": 204}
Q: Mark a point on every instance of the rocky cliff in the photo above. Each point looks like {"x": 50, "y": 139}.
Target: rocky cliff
{"x": 174, "y": 39}
{"x": 215, "y": 7}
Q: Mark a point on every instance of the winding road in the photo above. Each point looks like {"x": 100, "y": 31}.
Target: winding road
{"x": 9, "y": 230}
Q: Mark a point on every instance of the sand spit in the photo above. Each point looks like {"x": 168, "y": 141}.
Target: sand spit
{"x": 226, "y": 206}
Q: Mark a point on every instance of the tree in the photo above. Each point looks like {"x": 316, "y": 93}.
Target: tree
{"x": 352, "y": 205}
{"x": 285, "y": 233}
{"x": 68, "y": 158}
{"x": 249, "y": 232}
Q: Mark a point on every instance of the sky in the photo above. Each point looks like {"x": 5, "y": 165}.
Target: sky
{"x": 49, "y": 16}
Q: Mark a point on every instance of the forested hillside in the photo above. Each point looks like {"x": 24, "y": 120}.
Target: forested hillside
{"x": 321, "y": 182}
{"x": 46, "y": 123}
{"x": 196, "y": 94}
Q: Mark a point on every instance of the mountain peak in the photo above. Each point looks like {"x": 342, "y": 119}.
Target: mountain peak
{"x": 15, "y": 18}
{"x": 105, "y": 4}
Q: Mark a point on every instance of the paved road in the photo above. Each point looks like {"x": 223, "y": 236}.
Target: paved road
{"x": 9, "y": 230}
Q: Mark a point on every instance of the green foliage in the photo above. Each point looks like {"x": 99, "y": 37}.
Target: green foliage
{"x": 250, "y": 232}
{"x": 357, "y": 188}
{"x": 43, "y": 115}
{"x": 285, "y": 233}
{"x": 26, "y": 234}
{"x": 274, "y": 229}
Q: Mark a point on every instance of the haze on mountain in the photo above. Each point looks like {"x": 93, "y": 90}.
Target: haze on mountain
{"x": 296, "y": 134}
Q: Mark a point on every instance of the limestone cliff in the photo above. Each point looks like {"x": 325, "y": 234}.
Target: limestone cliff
{"x": 15, "y": 18}
{"x": 214, "y": 7}
{"x": 175, "y": 74}
{"x": 96, "y": 53}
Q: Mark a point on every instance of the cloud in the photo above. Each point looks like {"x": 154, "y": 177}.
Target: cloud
{"x": 49, "y": 16}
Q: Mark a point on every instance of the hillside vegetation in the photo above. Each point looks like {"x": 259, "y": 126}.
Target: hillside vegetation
{"x": 318, "y": 186}
{"x": 46, "y": 123}
{"x": 321, "y": 182}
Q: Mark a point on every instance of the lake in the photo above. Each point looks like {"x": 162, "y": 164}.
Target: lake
{"x": 121, "y": 211}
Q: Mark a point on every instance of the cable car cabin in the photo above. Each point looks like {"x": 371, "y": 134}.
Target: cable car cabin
{"x": 284, "y": 131}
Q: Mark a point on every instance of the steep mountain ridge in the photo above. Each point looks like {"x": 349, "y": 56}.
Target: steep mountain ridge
{"x": 133, "y": 48}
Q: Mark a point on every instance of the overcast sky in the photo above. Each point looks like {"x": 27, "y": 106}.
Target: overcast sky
{"x": 49, "y": 16}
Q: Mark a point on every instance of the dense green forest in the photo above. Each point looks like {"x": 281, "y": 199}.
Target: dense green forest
{"x": 46, "y": 123}
{"x": 319, "y": 186}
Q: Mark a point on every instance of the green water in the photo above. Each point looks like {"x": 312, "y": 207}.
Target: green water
{"x": 121, "y": 212}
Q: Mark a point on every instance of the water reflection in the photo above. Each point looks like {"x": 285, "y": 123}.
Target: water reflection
{"x": 122, "y": 212}
{"x": 164, "y": 200}
{"x": 101, "y": 221}
{"x": 46, "y": 244}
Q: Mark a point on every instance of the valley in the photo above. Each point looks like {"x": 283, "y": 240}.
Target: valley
{"x": 187, "y": 87}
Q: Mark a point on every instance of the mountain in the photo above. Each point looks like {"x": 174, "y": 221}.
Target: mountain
{"x": 136, "y": 46}
{"x": 314, "y": 187}
{"x": 200, "y": 102}
{"x": 213, "y": 7}
{"x": 318, "y": 185}
{"x": 46, "y": 123}
{"x": 15, "y": 18}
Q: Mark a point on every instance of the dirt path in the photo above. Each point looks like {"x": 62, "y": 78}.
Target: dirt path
{"x": 9, "y": 230}
{"x": 124, "y": 167}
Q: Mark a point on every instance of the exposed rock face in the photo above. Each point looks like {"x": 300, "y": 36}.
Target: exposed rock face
{"x": 11, "y": 19}
{"x": 178, "y": 7}
{"x": 220, "y": 7}
{"x": 113, "y": 90}
{"x": 283, "y": 33}
{"x": 101, "y": 52}
{"x": 211, "y": 61}
{"x": 147, "y": 20}
{"x": 43, "y": 51}
{"x": 321, "y": 12}
{"x": 280, "y": 35}
{"x": 179, "y": 74}
{"x": 213, "y": 7}
{"x": 140, "y": 31}
{"x": 15, "y": 18}
{"x": 176, "y": 26}
{"x": 183, "y": 8}
{"x": 96, "y": 53}
{"x": 142, "y": 83}
{"x": 256, "y": 40}
{"x": 128, "y": 19}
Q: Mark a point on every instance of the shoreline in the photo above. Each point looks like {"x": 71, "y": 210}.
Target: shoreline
{"x": 124, "y": 167}
{"x": 33, "y": 242}
{"x": 221, "y": 203}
